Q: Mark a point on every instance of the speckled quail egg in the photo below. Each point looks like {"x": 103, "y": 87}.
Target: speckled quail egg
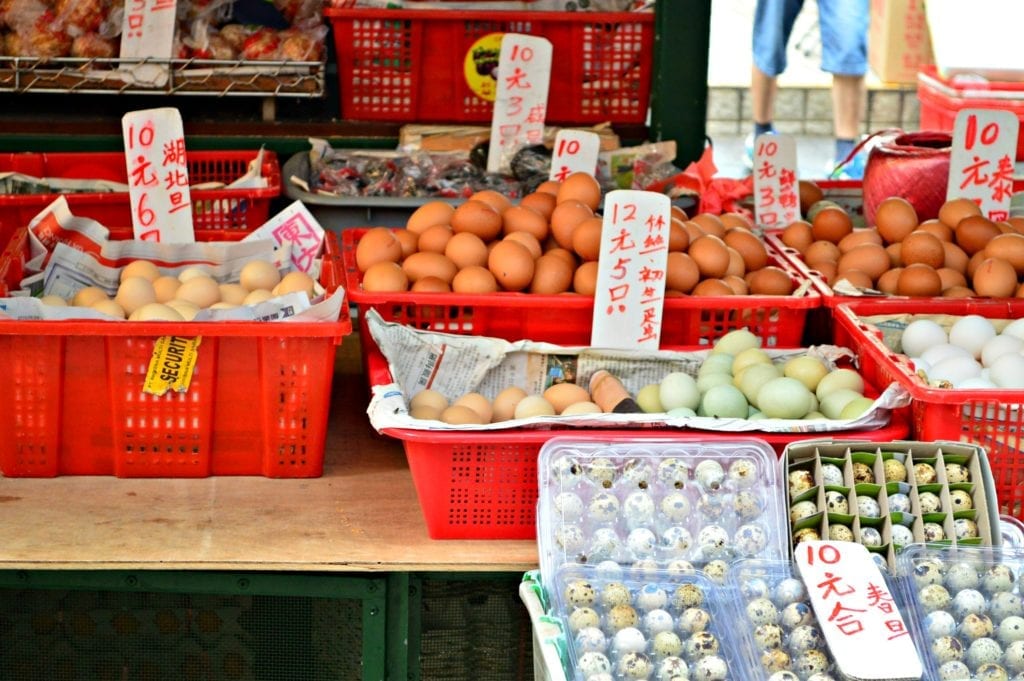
{"x": 762, "y": 611}
{"x": 568, "y": 506}
{"x": 801, "y": 510}
{"x": 838, "y": 532}
{"x": 600, "y": 472}
{"x": 591, "y": 639}
{"x": 678, "y": 568}
{"x": 675, "y": 506}
{"x": 954, "y": 670}
{"x": 651, "y": 597}
{"x": 869, "y": 536}
{"x": 998, "y": 578}
{"x": 628, "y": 640}
{"x": 933, "y": 532}
{"x": 701, "y": 644}
{"x": 710, "y": 668}
{"x": 693, "y": 620}
{"x": 755, "y": 587}
{"x": 645, "y": 568}
{"x": 784, "y": 675}
{"x": 604, "y": 544}
{"x": 862, "y": 472}
{"x": 712, "y": 506}
{"x": 638, "y": 472}
{"x": 806, "y": 534}
{"x": 929, "y": 502}
{"x": 674, "y": 472}
{"x": 608, "y": 569}
{"x": 821, "y": 677}
{"x": 934, "y": 597}
{"x": 767, "y": 636}
{"x": 583, "y": 617}
{"x": 800, "y": 481}
{"x": 775, "y": 660}
{"x": 967, "y": 601}
{"x": 566, "y": 470}
{"x": 667, "y": 643}
{"x": 867, "y": 507}
{"x": 622, "y": 616}
{"x": 570, "y": 538}
{"x": 672, "y": 669}
{"x": 580, "y": 594}
{"x": 810, "y": 662}
{"x": 687, "y": 596}
{"x": 836, "y": 502}
{"x": 975, "y": 626}
{"x": 796, "y": 615}
{"x": 832, "y": 475}
{"x": 965, "y": 528}
{"x": 1005, "y": 604}
{"x": 750, "y": 539}
{"x": 788, "y": 590}
{"x": 593, "y": 663}
{"x": 615, "y": 593}
{"x": 743, "y": 473}
{"x": 901, "y": 535}
{"x": 641, "y": 542}
{"x": 747, "y": 504}
{"x": 991, "y": 672}
{"x": 713, "y": 542}
{"x": 899, "y": 503}
{"x": 1013, "y": 657}
{"x": 946, "y": 649}
{"x": 676, "y": 541}
{"x": 960, "y": 500}
{"x": 710, "y": 475}
{"x": 880, "y": 561}
{"x": 717, "y": 571}
{"x": 983, "y": 651}
{"x": 657, "y": 621}
{"x": 927, "y": 571}
{"x": 961, "y": 575}
{"x": 635, "y": 666}
{"x": 924, "y": 473}
{"x": 957, "y": 473}
{"x": 939, "y": 623}
{"x": 894, "y": 470}
{"x": 805, "y": 637}
{"x": 638, "y": 508}
{"x": 1011, "y": 629}
{"x": 603, "y": 508}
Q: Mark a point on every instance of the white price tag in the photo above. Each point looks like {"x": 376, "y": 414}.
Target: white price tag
{"x": 147, "y": 30}
{"x": 981, "y": 163}
{"x": 631, "y": 270}
{"x": 856, "y": 612}
{"x": 575, "y": 151}
{"x": 520, "y": 106}
{"x": 294, "y": 225}
{"x": 776, "y": 188}
{"x": 158, "y": 188}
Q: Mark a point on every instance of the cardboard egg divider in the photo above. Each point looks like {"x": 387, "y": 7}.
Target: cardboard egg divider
{"x": 810, "y": 455}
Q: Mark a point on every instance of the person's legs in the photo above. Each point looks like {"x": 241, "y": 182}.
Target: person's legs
{"x": 773, "y": 24}
{"x": 844, "y": 36}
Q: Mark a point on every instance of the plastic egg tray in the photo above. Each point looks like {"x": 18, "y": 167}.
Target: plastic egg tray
{"x": 966, "y": 612}
{"x": 891, "y": 494}
{"x": 658, "y": 503}
{"x": 623, "y": 624}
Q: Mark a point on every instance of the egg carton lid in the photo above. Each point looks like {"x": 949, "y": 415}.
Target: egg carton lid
{"x": 588, "y": 469}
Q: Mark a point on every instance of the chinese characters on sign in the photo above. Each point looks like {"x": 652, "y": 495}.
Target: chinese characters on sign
{"x": 294, "y": 226}
{"x": 631, "y": 270}
{"x": 147, "y": 31}
{"x": 574, "y": 151}
{"x": 158, "y": 189}
{"x": 776, "y": 192}
{"x": 524, "y": 72}
{"x": 856, "y": 612}
{"x": 981, "y": 163}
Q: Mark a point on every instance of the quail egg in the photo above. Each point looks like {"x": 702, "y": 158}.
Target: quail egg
{"x": 710, "y": 668}
{"x": 580, "y": 594}
{"x": 584, "y": 617}
{"x": 600, "y": 472}
{"x": 832, "y": 475}
{"x": 676, "y": 540}
{"x": 673, "y": 669}
{"x": 789, "y": 590}
{"x": 628, "y": 640}
{"x": 811, "y": 662}
{"x": 747, "y": 504}
{"x": 867, "y": 507}
{"x": 957, "y": 473}
{"x": 674, "y": 472}
{"x": 603, "y": 507}
{"x": 821, "y": 677}
{"x": 960, "y": 500}
{"x": 975, "y": 626}
{"x": 934, "y": 532}
{"x": 754, "y": 587}
{"x": 666, "y": 644}
{"x": 1013, "y": 657}
{"x": 806, "y": 534}
{"x": 998, "y": 578}
{"x": 677, "y": 568}
{"x": 716, "y": 570}
{"x": 615, "y": 593}
{"x": 568, "y": 506}
{"x": 713, "y": 541}
{"x": 687, "y": 596}
{"x": 784, "y": 676}
{"x": 965, "y": 528}
{"x": 924, "y": 473}
{"x": 569, "y": 538}
{"x": 869, "y": 536}
{"x": 657, "y": 621}
{"x": 966, "y": 602}
{"x": 934, "y": 597}
{"x": 901, "y": 535}
{"x": 775, "y": 660}
{"x": 927, "y": 571}
{"x": 591, "y": 639}
{"x": 1011, "y": 629}
{"x": 693, "y": 620}
{"x": 991, "y": 672}
{"x": 701, "y": 644}
{"x": 1005, "y": 604}
{"x": 800, "y": 481}
{"x": 710, "y": 475}
{"x": 750, "y": 539}
{"x": 983, "y": 651}
{"x": 762, "y": 611}
{"x": 712, "y": 506}
{"x": 593, "y": 663}
{"x": 805, "y": 637}
{"x": 837, "y": 532}
{"x": 801, "y": 510}
{"x": 961, "y": 575}
{"x": 836, "y": 502}
{"x": 622, "y": 616}
{"x": 946, "y": 649}
{"x": 862, "y": 473}
{"x": 894, "y": 470}
{"x": 635, "y": 666}
{"x": 675, "y": 506}
{"x": 608, "y": 569}
{"x": 768, "y": 636}
{"x": 638, "y": 472}
{"x": 641, "y": 542}
{"x": 644, "y": 568}
{"x": 743, "y": 473}
{"x": 939, "y": 623}
{"x": 638, "y": 508}
{"x": 604, "y": 543}
{"x": 899, "y": 503}
{"x": 651, "y": 597}
{"x": 929, "y": 502}
{"x": 954, "y": 670}
{"x": 796, "y": 615}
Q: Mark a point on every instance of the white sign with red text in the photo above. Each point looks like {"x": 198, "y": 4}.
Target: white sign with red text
{"x": 521, "y": 101}
{"x": 856, "y": 611}
{"x": 981, "y": 162}
{"x": 147, "y": 31}
{"x": 158, "y": 189}
{"x": 575, "y": 151}
{"x": 294, "y": 226}
{"x": 776, "y": 189}
{"x": 631, "y": 270}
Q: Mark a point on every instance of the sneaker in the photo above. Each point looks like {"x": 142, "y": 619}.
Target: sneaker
{"x": 748, "y": 151}
{"x": 851, "y": 170}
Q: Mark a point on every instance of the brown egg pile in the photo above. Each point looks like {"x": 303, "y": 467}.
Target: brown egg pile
{"x": 549, "y": 243}
{"x": 961, "y": 254}
{"x": 512, "y": 403}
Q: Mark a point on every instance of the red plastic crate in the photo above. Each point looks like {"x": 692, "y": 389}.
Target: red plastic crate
{"x": 566, "y": 318}
{"x": 212, "y": 209}
{"x": 993, "y": 419}
{"x": 71, "y": 400}
{"x": 941, "y": 100}
{"x": 483, "y": 484}
{"x": 407, "y": 65}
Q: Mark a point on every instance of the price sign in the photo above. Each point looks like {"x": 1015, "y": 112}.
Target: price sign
{"x": 631, "y": 270}
{"x": 981, "y": 163}
{"x": 776, "y": 190}
{"x": 575, "y": 152}
{"x": 521, "y": 101}
{"x": 856, "y": 612}
{"x": 147, "y": 31}
{"x": 154, "y": 148}
{"x": 296, "y": 226}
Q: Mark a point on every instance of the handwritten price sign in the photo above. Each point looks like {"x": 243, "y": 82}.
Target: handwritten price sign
{"x": 575, "y": 152}
{"x": 158, "y": 189}
{"x": 147, "y": 31}
{"x": 520, "y": 105}
{"x": 981, "y": 163}
{"x": 776, "y": 190}
{"x": 630, "y": 291}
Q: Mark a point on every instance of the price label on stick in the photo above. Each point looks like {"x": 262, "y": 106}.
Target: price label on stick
{"x": 776, "y": 188}
{"x": 856, "y": 611}
{"x": 981, "y": 162}
{"x": 147, "y": 32}
{"x": 158, "y": 189}
{"x": 575, "y": 151}
{"x": 520, "y": 105}
{"x": 631, "y": 270}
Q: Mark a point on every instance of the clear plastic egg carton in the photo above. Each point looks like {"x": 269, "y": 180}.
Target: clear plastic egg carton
{"x": 965, "y": 610}
{"x": 891, "y": 494}
{"x": 659, "y": 503}
{"x": 624, "y": 624}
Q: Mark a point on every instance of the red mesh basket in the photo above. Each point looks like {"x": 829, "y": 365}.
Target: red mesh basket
{"x": 71, "y": 400}
{"x": 408, "y": 65}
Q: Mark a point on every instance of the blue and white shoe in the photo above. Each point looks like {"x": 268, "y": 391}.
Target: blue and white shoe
{"x": 748, "y": 150}
{"x": 852, "y": 170}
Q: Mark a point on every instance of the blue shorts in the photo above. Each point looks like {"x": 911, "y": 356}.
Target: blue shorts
{"x": 844, "y": 35}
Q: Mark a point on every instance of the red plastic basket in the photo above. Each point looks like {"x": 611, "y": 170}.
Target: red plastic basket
{"x": 212, "y": 209}
{"x": 71, "y": 401}
{"x": 566, "y": 319}
{"x": 408, "y": 65}
{"x": 483, "y": 484}
{"x": 993, "y": 419}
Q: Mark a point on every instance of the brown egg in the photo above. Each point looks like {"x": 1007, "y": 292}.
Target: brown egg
{"x": 460, "y": 415}
{"x": 974, "y": 262}
{"x": 730, "y": 220}
{"x": 580, "y": 187}
{"x": 1017, "y": 222}
{"x": 428, "y": 264}
{"x": 1006, "y": 227}
{"x": 434, "y": 239}
{"x": 995, "y": 278}
{"x": 754, "y": 254}
{"x": 551, "y": 275}
{"x": 542, "y": 202}
{"x": 871, "y": 259}
{"x": 474, "y": 279}
{"x": 798, "y": 236}
{"x": 512, "y": 265}
{"x": 430, "y": 214}
{"x": 496, "y": 200}
{"x": 952, "y": 212}
{"x": 1009, "y": 247}
{"x": 737, "y": 284}
{"x": 951, "y": 278}
{"x": 710, "y": 255}
{"x": 770, "y": 281}
{"x": 681, "y": 272}
{"x": 1020, "y": 292}
{"x": 958, "y": 292}
{"x": 549, "y": 187}
{"x": 567, "y": 256}
{"x": 888, "y": 282}
{"x": 561, "y": 395}
{"x": 810, "y": 194}
{"x": 586, "y": 238}
{"x": 827, "y": 269}
{"x": 831, "y": 224}
{"x": 678, "y": 213}
{"x": 409, "y": 241}
{"x": 528, "y": 240}
{"x": 955, "y": 258}
{"x": 856, "y": 278}
{"x": 584, "y": 280}
{"x": 385, "y": 276}
{"x": 712, "y": 287}
{"x": 465, "y": 249}
{"x": 822, "y": 251}
{"x": 693, "y": 231}
{"x": 895, "y": 252}
{"x": 922, "y": 247}
{"x": 525, "y": 219}
{"x": 737, "y": 267}
{"x": 895, "y": 218}
{"x": 478, "y": 403}
{"x": 937, "y": 229}
{"x": 678, "y": 237}
{"x": 565, "y": 218}
{"x": 477, "y": 218}
{"x": 504, "y": 405}
{"x": 431, "y": 285}
{"x": 709, "y": 224}
{"x": 377, "y": 245}
{"x": 974, "y": 232}
{"x": 858, "y": 237}
{"x": 919, "y": 280}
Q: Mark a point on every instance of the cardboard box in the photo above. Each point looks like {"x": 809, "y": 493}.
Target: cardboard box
{"x": 899, "y": 42}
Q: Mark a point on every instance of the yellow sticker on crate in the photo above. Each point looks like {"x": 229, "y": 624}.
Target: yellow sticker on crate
{"x": 172, "y": 364}
{"x": 480, "y": 66}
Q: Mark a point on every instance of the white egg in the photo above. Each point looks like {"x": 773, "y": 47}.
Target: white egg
{"x": 1015, "y": 328}
{"x": 1008, "y": 371}
{"x": 971, "y": 333}
{"x": 921, "y": 335}
{"x": 937, "y": 353}
{"x": 920, "y": 365}
{"x": 954, "y": 370}
{"x": 977, "y": 383}
{"x": 678, "y": 389}
{"x": 999, "y": 346}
